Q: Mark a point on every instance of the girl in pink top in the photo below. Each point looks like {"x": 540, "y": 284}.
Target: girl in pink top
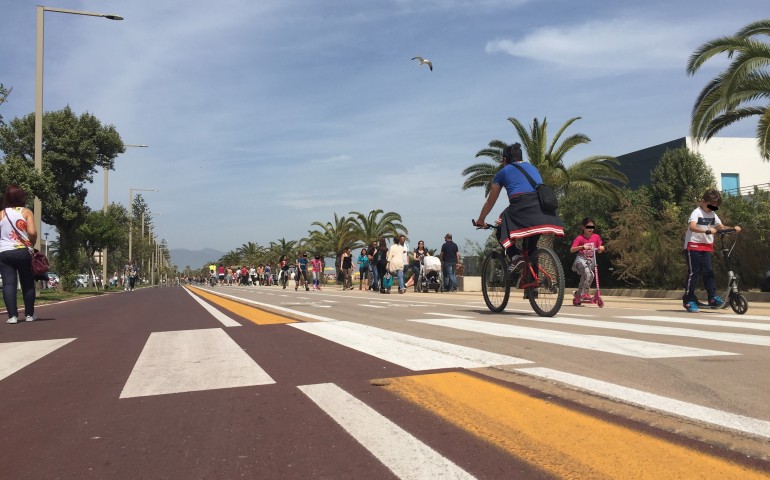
{"x": 317, "y": 266}
{"x": 585, "y": 245}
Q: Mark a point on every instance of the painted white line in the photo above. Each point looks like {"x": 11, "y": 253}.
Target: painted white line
{"x": 599, "y": 343}
{"x": 223, "y": 319}
{"x": 743, "y": 338}
{"x": 190, "y": 361}
{"x": 405, "y": 456}
{"x": 373, "y": 306}
{"x": 414, "y": 353}
{"x": 649, "y": 400}
{"x": 446, "y": 315}
{"x": 16, "y": 355}
{"x": 703, "y": 322}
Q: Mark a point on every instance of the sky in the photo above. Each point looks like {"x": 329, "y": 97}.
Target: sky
{"x": 263, "y": 117}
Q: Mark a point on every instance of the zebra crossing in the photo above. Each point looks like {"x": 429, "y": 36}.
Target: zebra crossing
{"x": 183, "y": 361}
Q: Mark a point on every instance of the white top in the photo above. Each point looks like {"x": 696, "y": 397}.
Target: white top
{"x": 9, "y": 239}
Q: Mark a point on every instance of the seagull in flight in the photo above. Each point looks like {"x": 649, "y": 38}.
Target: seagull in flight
{"x": 424, "y": 62}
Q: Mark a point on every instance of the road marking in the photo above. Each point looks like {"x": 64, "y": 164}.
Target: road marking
{"x": 414, "y": 353}
{"x": 276, "y": 307}
{"x": 406, "y": 456}
{"x": 223, "y": 319}
{"x": 656, "y": 330}
{"x": 190, "y": 361}
{"x": 254, "y": 315}
{"x": 650, "y": 400}
{"x": 562, "y": 442}
{"x": 16, "y": 355}
{"x": 703, "y": 322}
{"x": 620, "y": 346}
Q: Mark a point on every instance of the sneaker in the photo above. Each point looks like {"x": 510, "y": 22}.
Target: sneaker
{"x": 716, "y": 301}
{"x": 13, "y": 320}
{"x": 691, "y": 307}
{"x": 517, "y": 261}
{"x": 586, "y": 297}
{"x": 31, "y": 318}
{"x": 576, "y": 300}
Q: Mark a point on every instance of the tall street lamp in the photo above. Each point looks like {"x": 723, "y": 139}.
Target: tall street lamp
{"x": 131, "y": 215}
{"x": 38, "y": 204}
{"x": 104, "y": 209}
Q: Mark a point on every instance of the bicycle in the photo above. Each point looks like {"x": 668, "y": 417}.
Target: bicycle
{"x": 732, "y": 296}
{"x": 542, "y": 279}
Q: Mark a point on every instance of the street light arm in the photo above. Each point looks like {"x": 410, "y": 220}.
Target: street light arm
{"x": 109, "y": 16}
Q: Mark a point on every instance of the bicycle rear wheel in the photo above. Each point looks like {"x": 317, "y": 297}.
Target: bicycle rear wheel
{"x": 547, "y": 297}
{"x": 495, "y": 281}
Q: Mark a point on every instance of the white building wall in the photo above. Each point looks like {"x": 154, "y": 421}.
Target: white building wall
{"x": 734, "y": 155}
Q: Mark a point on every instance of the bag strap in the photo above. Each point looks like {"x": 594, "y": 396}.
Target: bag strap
{"x": 521, "y": 169}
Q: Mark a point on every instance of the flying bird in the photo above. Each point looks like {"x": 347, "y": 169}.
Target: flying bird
{"x": 424, "y": 62}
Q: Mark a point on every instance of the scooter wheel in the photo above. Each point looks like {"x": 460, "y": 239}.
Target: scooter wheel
{"x": 739, "y": 304}
{"x": 600, "y": 302}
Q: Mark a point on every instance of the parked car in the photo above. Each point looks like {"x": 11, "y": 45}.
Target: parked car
{"x": 81, "y": 281}
{"x": 53, "y": 280}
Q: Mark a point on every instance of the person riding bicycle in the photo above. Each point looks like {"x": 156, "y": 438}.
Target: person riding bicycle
{"x": 523, "y": 218}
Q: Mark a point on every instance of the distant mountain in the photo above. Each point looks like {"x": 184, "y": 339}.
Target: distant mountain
{"x": 195, "y": 259}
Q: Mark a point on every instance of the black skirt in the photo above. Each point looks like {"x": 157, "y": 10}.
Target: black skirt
{"x": 524, "y": 218}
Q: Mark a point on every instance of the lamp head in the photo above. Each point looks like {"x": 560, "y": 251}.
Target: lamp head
{"x": 113, "y": 17}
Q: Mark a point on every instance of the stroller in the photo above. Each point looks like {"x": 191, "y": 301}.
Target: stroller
{"x": 430, "y": 275}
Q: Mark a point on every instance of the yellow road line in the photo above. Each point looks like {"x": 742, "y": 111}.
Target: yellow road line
{"x": 252, "y": 314}
{"x": 563, "y": 442}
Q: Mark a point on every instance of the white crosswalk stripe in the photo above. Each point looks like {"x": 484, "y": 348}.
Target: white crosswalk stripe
{"x": 617, "y": 345}
{"x": 406, "y": 456}
{"x": 704, "y": 322}
{"x": 408, "y": 351}
{"x": 16, "y": 355}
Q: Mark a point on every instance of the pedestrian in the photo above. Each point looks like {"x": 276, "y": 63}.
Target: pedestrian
{"x": 346, "y": 265}
{"x": 317, "y": 266}
{"x": 396, "y": 261}
{"x": 221, "y": 274}
{"x": 371, "y": 252}
{"x": 584, "y": 245}
{"x": 450, "y": 256}
{"x": 417, "y": 256}
{"x": 283, "y": 265}
{"x": 381, "y": 262}
{"x": 524, "y": 217}
{"x": 17, "y": 235}
{"x": 698, "y": 245}
{"x": 301, "y": 276}
{"x": 363, "y": 267}
{"x": 133, "y": 274}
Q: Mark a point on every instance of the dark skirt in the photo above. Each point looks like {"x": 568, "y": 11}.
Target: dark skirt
{"x": 524, "y": 218}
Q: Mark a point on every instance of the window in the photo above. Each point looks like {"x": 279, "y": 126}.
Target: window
{"x": 730, "y": 184}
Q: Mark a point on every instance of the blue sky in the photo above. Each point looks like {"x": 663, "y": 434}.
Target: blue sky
{"x": 265, "y": 116}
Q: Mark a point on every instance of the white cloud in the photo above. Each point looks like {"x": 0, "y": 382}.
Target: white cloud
{"x": 601, "y": 47}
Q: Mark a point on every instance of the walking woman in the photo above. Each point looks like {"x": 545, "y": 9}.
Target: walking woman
{"x": 17, "y": 235}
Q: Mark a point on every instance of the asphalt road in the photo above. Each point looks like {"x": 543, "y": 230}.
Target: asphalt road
{"x": 238, "y": 382}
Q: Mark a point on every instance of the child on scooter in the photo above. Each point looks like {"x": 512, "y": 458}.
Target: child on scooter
{"x": 698, "y": 245}
{"x": 584, "y": 245}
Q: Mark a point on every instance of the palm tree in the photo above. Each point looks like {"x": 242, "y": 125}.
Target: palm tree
{"x": 731, "y": 95}
{"x": 333, "y": 237}
{"x": 481, "y": 174}
{"x": 597, "y": 173}
{"x": 251, "y": 253}
{"x": 282, "y": 247}
{"x": 368, "y": 228}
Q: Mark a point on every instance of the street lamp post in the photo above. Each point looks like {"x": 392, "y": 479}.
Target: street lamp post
{"x": 131, "y": 215}
{"x": 104, "y": 209}
{"x": 38, "y": 204}
{"x": 46, "y": 243}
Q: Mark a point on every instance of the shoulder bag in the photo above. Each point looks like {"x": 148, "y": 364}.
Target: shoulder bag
{"x": 545, "y": 194}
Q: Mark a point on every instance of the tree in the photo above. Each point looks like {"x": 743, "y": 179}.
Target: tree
{"x": 74, "y": 147}
{"x": 251, "y": 253}
{"x": 597, "y": 173}
{"x": 680, "y": 178}
{"x": 480, "y": 175}
{"x": 99, "y": 231}
{"x": 369, "y": 228}
{"x": 333, "y": 237}
{"x": 4, "y": 92}
{"x": 731, "y": 95}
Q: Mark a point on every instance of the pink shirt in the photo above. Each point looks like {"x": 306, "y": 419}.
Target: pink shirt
{"x": 594, "y": 241}
{"x": 315, "y": 264}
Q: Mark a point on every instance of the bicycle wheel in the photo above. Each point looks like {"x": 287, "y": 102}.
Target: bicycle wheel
{"x": 738, "y": 303}
{"x": 495, "y": 281}
{"x": 547, "y": 297}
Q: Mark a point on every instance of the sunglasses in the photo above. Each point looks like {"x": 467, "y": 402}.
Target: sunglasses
{"x": 589, "y": 226}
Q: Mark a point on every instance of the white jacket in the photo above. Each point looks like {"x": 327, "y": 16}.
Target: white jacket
{"x": 396, "y": 257}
